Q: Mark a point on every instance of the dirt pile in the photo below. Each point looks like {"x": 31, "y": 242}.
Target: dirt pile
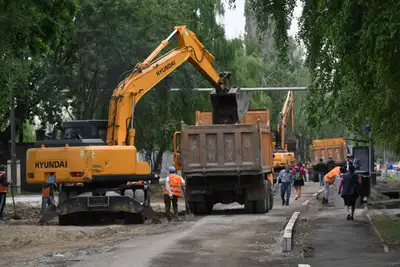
{"x": 24, "y": 211}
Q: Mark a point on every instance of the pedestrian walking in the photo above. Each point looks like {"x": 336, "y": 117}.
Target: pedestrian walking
{"x": 3, "y": 190}
{"x": 173, "y": 191}
{"x": 349, "y": 190}
{"x": 321, "y": 169}
{"x": 285, "y": 179}
{"x": 299, "y": 176}
{"x": 329, "y": 179}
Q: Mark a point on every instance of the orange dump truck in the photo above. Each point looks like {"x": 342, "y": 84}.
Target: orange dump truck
{"x": 333, "y": 147}
{"x": 226, "y": 163}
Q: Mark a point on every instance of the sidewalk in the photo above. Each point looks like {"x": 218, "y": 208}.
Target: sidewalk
{"x": 338, "y": 242}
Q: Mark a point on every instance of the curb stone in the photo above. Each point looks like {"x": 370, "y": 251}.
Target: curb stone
{"x": 385, "y": 247}
{"x": 288, "y": 232}
{"x": 316, "y": 195}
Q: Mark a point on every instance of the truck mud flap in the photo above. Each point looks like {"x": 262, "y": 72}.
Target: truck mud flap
{"x": 101, "y": 203}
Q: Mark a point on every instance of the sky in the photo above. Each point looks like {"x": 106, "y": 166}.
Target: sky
{"x": 234, "y": 20}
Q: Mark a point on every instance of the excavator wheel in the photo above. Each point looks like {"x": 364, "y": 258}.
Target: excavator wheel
{"x": 133, "y": 218}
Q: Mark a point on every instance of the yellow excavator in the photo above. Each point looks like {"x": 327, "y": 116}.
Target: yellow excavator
{"x": 281, "y": 154}
{"x": 93, "y": 170}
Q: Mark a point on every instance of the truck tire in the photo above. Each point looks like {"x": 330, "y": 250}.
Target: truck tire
{"x": 270, "y": 196}
{"x": 192, "y": 207}
{"x": 260, "y": 206}
{"x": 249, "y": 206}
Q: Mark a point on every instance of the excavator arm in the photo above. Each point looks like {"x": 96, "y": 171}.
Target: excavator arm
{"x": 286, "y": 114}
{"x": 228, "y": 104}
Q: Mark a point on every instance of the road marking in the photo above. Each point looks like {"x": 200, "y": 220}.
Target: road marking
{"x": 305, "y": 203}
{"x": 304, "y": 265}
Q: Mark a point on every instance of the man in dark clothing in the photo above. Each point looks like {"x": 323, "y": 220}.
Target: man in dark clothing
{"x": 330, "y": 164}
{"x": 3, "y": 190}
{"x": 321, "y": 169}
{"x": 349, "y": 190}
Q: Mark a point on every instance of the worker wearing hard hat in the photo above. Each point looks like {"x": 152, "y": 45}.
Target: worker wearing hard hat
{"x": 173, "y": 191}
{"x": 329, "y": 179}
{"x": 48, "y": 200}
{"x": 3, "y": 190}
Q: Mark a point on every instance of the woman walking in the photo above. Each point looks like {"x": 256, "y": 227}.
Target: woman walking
{"x": 349, "y": 190}
{"x": 299, "y": 176}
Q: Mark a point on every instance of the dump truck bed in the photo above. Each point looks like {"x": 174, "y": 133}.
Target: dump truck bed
{"x": 243, "y": 149}
{"x": 334, "y": 147}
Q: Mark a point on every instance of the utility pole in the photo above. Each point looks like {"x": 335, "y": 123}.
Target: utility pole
{"x": 13, "y": 146}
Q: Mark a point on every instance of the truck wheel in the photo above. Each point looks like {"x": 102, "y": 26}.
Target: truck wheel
{"x": 201, "y": 208}
{"x": 248, "y": 206}
{"x": 270, "y": 196}
{"x": 260, "y": 206}
{"x": 193, "y": 207}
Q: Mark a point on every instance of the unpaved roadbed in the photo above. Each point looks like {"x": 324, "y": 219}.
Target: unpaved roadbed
{"x": 24, "y": 239}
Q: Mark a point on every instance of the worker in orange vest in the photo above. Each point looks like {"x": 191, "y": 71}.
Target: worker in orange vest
{"x": 48, "y": 194}
{"x": 3, "y": 190}
{"x": 172, "y": 191}
{"x": 329, "y": 179}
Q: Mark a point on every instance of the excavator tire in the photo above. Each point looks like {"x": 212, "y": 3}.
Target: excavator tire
{"x": 133, "y": 218}
{"x": 63, "y": 220}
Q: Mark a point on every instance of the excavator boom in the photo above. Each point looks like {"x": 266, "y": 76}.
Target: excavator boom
{"x": 282, "y": 156}
{"x": 229, "y": 105}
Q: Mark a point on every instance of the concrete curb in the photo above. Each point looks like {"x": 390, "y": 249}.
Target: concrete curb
{"x": 288, "y": 232}
{"x": 385, "y": 247}
{"x": 316, "y": 195}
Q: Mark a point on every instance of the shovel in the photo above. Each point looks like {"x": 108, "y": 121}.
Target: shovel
{"x": 15, "y": 216}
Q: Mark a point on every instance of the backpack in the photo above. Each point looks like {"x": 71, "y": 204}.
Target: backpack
{"x": 298, "y": 174}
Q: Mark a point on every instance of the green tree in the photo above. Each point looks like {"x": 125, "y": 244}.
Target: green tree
{"x": 352, "y": 52}
{"x": 29, "y": 32}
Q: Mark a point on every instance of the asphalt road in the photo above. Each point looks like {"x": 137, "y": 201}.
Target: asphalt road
{"x": 228, "y": 237}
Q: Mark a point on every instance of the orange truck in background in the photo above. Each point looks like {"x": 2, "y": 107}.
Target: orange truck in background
{"x": 325, "y": 148}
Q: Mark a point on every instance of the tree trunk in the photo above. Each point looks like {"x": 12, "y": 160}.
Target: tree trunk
{"x": 157, "y": 163}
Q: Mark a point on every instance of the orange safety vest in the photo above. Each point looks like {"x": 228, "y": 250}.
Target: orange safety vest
{"x": 175, "y": 183}
{"x": 330, "y": 176}
{"x": 3, "y": 189}
{"x": 45, "y": 191}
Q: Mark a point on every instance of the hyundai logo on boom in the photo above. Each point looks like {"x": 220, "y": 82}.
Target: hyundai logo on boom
{"x": 166, "y": 67}
{"x": 51, "y": 164}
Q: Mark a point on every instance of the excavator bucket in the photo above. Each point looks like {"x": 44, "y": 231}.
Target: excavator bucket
{"x": 229, "y": 107}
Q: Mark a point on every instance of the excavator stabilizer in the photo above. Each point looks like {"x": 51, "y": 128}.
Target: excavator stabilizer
{"x": 229, "y": 107}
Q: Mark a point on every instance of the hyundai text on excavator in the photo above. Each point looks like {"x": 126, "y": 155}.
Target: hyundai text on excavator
{"x": 94, "y": 173}
{"x": 281, "y": 154}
